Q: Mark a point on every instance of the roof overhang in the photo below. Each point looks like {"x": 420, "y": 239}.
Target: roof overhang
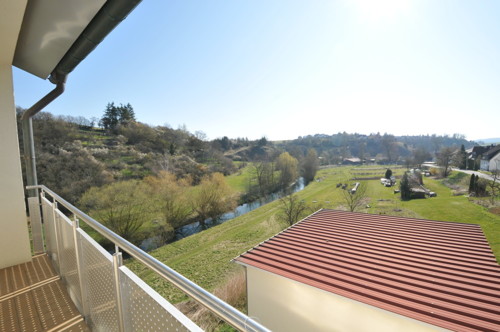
{"x": 11, "y": 17}
{"x": 56, "y": 35}
{"x": 49, "y": 29}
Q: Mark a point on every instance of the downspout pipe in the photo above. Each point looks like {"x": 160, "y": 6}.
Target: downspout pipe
{"x": 27, "y": 127}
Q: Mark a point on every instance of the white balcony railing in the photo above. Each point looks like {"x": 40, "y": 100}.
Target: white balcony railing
{"x": 108, "y": 294}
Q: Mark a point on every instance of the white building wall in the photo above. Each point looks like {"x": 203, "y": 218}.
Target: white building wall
{"x": 14, "y": 240}
{"x": 282, "y": 304}
{"x": 495, "y": 163}
{"x": 484, "y": 165}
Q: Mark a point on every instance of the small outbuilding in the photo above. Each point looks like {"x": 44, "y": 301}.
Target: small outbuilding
{"x": 417, "y": 192}
{"x": 348, "y": 271}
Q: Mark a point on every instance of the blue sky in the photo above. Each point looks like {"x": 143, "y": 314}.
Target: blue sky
{"x": 283, "y": 69}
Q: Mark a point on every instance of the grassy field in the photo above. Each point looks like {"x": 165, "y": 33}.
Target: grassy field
{"x": 205, "y": 257}
{"x": 239, "y": 180}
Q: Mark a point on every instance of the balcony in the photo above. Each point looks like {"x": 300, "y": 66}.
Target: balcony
{"x": 33, "y": 298}
{"x": 73, "y": 284}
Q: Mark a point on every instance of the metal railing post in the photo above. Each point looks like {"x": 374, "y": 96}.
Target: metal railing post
{"x": 83, "y": 292}
{"x": 117, "y": 262}
{"x": 46, "y": 223}
{"x": 56, "y": 234}
{"x": 36, "y": 224}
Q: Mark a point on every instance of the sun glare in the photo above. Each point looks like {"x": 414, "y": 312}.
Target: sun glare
{"x": 380, "y": 10}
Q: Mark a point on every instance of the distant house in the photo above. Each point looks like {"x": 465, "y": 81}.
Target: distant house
{"x": 351, "y": 161}
{"x": 428, "y": 165}
{"x": 480, "y": 149}
{"x": 345, "y": 271}
{"x": 490, "y": 160}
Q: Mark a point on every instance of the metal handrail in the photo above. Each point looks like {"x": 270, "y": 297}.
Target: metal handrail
{"x": 225, "y": 311}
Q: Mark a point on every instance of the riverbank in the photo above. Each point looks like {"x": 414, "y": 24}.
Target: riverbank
{"x": 192, "y": 226}
{"x": 206, "y": 257}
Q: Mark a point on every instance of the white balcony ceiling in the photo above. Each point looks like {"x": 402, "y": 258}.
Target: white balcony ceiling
{"x": 11, "y": 16}
{"x": 48, "y": 30}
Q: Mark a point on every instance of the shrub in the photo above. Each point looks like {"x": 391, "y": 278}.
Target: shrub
{"x": 232, "y": 291}
{"x": 404, "y": 187}
{"x": 121, "y": 206}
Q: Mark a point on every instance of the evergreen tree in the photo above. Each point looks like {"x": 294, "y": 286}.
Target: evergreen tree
{"x": 117, "y": 115}
{"x": 126, "y": 113}
{"x": 404, "y": 187}
{"x": 172, "y": 148}
{"x": 388, "y": 174}
{"x": 110, "y": 118}
{"x": 479, "y": 188}
{"x": 472, "y": 184}
{"x": 463, "y": 158}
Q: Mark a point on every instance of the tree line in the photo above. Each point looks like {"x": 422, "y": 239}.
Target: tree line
{"x": 158, "y": 204}
{"x": 280, "y": 174}
{"x": 384, "y": 148}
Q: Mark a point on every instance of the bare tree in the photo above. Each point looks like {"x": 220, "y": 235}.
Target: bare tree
{"x": 493, "y": 185}
{"x": 213, "y": 197}
{"x": 287, "y": 166}
{"x": 121, "y": 206}
{"x": 419, "y": 156}
{"x": 444, "y": 159}
{"x": 200, "y": 135}
{"x": 292, "y": 209}
{"x": 354, "y": 199}
{"x": 170, "y": 196}
{"x": 310, "y": 165}
{"x": 264, "y": 174}
{"x": 389, "y": 143}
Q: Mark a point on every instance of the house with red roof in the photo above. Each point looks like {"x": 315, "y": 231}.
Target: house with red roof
{"x": 348, "y": 271}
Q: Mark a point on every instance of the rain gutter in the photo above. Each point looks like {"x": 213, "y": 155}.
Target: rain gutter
{"x": 106, "y": 19}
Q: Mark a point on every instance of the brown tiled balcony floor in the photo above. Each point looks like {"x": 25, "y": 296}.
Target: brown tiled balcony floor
{"x": 33, "y": 298}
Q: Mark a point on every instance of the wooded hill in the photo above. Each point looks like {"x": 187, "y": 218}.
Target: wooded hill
{"x": 386, "y": 148}
{"x": 74, "y": 153}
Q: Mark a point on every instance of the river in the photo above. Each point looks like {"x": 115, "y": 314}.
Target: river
{"x": 196, "y": 227}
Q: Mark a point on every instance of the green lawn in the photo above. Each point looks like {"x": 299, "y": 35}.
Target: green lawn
{"x": 205, "y": 257}
{"x": 239, "y": 181}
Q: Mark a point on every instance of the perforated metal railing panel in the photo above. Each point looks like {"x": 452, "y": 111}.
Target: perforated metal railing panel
{"x": 67, "y": 258}
{"x": 36, "y": 225}
{"x": 108, "y": 295}
{"x": 147, "y": 310}
{"x": 98, "y": 279}
{"x": 33, "y": 298}
{"x": 48, "y": 227}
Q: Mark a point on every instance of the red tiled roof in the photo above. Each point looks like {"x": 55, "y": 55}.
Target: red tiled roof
{"x": 442, "y": 273}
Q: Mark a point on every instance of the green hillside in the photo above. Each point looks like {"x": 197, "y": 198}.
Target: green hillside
{"x": 206, "y": 257}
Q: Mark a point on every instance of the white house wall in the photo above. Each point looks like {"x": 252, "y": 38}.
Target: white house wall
{"x": 484, "y": 165}
{"x": 14, "y": 241}
{"x": 282, "y": 304}
{"x": 495, "y": 163}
